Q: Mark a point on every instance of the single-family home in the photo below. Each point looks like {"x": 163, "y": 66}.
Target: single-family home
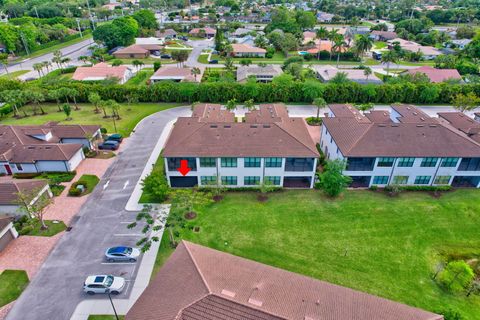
{"x": 138, "y": 51}
{"x": 404, "y": 146}
{"x": 325, "y": 73}
{"x": 44, "y": 148}
{"x": 309, "y": 36}
{"x": 324, "y": 17}
{"x": 378, "y": 35}
{"x": 206, "y": 32}
{"x": 218, "y": 285}
{"x": 436, "y": 75}
{"x": 261, "y": 73}
{"x": 102, "y": 71}
{"x": 166, "y": 34}
{"x": 324, "y": 45}
{"x": 8, "y": 233}
{"x": 176, "y": 74}
{"x": 239, "y": 32}
{"x": 268, "y": 146}
{"x": 428, "y": 52}
{"x": 459, "y": 43}
{"x": 32, "y": 189}
{"x": 246, "y": 50}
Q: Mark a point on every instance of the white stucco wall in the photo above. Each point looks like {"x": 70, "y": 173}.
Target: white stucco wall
{"x": 75, "y": 160}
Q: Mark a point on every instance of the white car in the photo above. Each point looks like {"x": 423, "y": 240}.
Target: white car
{"x": 104, "y": 284}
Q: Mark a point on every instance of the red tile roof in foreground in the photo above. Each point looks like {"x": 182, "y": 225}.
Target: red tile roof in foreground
{"x": 437, "y": 75}
{"x": 213, "y": 132}
{"x": 201, "y": 283}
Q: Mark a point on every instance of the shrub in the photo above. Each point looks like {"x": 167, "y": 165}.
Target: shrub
{"x": 332, "y": 181}
{"x": 26, "y": 175}
{"x": 314, "y": 121}
{"x": 156, "y": 185}
{"x": 117, "y": 62}
{"x": 417, "y": 188}
{"x": 74, "y": 191}
{"x": 456, "y": 276}
{"x": 450, "y": 314}
{"x": 103, "y": 130}
{"x": 156, "y": 65}
{"x": 68, "y": 70}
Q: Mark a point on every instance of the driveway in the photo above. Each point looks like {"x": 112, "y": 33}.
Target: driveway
{"x": 57, "y": 288}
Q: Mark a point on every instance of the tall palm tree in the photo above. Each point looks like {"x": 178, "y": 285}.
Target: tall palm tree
{"x": 38, "y": 67}
{"x": 195, "y": 71}
{"x": 363, "y": 43}
{"x": 332, "y": 36}
{"x": 389, "y": 57}
{"x": 367, "y": 72}
{"x": 338, "y": 45}
{"x": 321, "y": 33}
{"x": 319, "y": 103}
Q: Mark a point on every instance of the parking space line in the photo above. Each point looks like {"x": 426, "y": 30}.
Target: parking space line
{"x": 119, "y": 263}
{"x": 128, "y": 234}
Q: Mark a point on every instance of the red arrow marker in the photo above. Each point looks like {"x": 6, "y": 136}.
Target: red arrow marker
{"x": 184, "y": 169}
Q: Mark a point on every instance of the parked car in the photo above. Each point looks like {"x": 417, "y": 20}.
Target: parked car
{"x": 166, "y": 56}
{"x": 122, "y": 253}
{"x": 115, "y": 137}
{"x": 156, "y": 53}
{"x": 213, "y": 61}
{"x": 109, "y": 145}
{"x": 103, "y": 284}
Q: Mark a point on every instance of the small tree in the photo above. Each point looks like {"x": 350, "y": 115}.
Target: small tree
{"x": 364, "y": 106}
{"x": 231, "y": 104}
{"x": 156, "y": 185}
{"x": 55, "y": 95}
{"x": 457, "y": 276}
{"x": 319, "y": 103}
{"x": 249, "y": 105}
{"x": 4, "y": 61}
{"x": 157, "y": 65}
{"x": 195, "y": 72}
{"x": 187, "y": 199}
{"x": 466, "y": 102}
{"x": 137, "y": 64}
{"x": 228, "y": 63}
{"x": 367, "y": 72}
{"x": 332, "y": 180}
{"x": 36, "y": 97}
{"x": 154, "y": 222}
{"x": 95, "y": 99}
{"x": 246, "y": 62}
{"x": 67, "y": 110}
{"x": 34, "y": 210}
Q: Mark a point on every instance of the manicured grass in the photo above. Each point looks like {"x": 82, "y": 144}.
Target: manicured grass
{"x": 104, "y": 317}
{"x": 164, "y": 251}
{"x": 140, "y": 78}
{"x": 147, "y": 197}
{"x": 14, "y": 74}
{"x": 12, "y": 283}
{"x": 364, "y": 240}
{"x": 203, "y": 58}
{"x": 90, "y": 181}
{"x": 130, "y": 116}
{"x": 146, "y": 61}
{"x": 379, "y": 45}
{"x": 53, "y": 228}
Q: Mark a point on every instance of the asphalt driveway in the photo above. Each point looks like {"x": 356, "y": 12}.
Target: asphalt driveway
{"x": 57, "y": 288}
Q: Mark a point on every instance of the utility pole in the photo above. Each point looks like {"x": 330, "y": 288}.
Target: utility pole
{"x": 36, "y": 12}
{"x": 22, "y": 36}
{"x": 79, "y": 29}
{"x": 90, "y": 15}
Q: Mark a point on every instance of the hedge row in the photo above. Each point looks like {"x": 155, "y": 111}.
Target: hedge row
{"x": 265, "y": 92}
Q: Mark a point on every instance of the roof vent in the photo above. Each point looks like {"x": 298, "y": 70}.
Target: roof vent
{"x": 419, "y": 125}
{"x": 253, "y": 126}
{"x": 213, "y": 126}
{"x": 255, "y": 302}
{"x": 415, "y": 113}
{"x": 227, "y": 126}
{"x": 395, "y": 125}
{"x": 31, "y": 148}
{"x": 382, "y": 125}
{"x": 266, "y": 126}
{"x": 433, "y": 126}
{"x": 228, "y": 293}
{"x": 423, "y": 119}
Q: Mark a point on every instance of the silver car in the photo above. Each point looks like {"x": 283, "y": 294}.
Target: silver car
{"x": 103, "y": 284}
{"x": 122, "y": 253}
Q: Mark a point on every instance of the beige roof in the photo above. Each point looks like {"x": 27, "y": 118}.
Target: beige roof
{"x": 207, "y": 30}
{"x": 176, "y": 73}
{"x": 327, "y": 72}
{"x": 268, "y": 132}
{"x": 411, "y": 134}
{"x": 246, "y": 48}
{"x": 99, "y": 71}
{"x": 9, "y": 189}
{"x": 133, "y": 49}
{"x": 201, "y": 283}
{"x": 243, "y": 72}
{"x": 436, "y": 75}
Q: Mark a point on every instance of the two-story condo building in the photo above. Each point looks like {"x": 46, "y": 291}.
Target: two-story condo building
{"x": 49, "y": 147}
{"x": 266, "y": 146}
{"x": 402, "y": 147}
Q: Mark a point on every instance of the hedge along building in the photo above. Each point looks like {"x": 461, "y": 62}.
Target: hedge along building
{"x": 401, "y": 147}
{"x": 267, "y": 146}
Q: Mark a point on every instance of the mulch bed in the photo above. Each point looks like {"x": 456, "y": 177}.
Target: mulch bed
{"x": 262, "y": 198}
{"x": 190, "y": 215}
{"x": 217, "y": 198}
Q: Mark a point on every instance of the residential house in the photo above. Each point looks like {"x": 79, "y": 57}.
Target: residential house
{"x": 324, "y": 17}
{"x": 166, "y": 34}
{"x": 49, "y": 147}
{"x": 245, "y": 50}
{"x": 240, "y": 32}
{"x": 402, "y": 147}
{"x": 383, "y": 35}
{"x": 436, "y": 75}
{"x": 460, "y": 43}
{"x": 9, "y": 190}
{"x": 247, "y": 39}
{"x": 429, "y": 53}
{"x": 326, "y": 73}
{"x": 268, "y": 146}
{"x": 462, "y": 122}
{"x": 137, "y": 51}
{"x": 206, "y": 32}
{"x": 102, "y": 71}
{"x": 324, "y": 45}
{"x": 8, "y": 233}
{"x": 176, "y": 74}
{"x": 218, "y": 285}
{"x": 309, "y": 36}
{"x": 262, "y": 74}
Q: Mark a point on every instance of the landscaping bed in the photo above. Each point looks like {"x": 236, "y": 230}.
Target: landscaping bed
{"x": 84, "y": 185}
{"x": 33, "y": 227}
{"x": 12, "y": 284}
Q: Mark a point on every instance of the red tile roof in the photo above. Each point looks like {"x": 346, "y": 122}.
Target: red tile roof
{"x": 201, "y": 283}
{"x": 99, "y": 71}
{"x": 437, "y": 75}
{"x": 246, "y": 48}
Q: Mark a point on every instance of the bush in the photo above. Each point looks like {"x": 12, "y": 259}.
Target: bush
{"x": 418, "y": 188}
{"x": 456, "y": 277}
{"x": 117, "y": 62}
{"x": 103, "y": 130}
{"x": 314, "y": 121}
{"x": 156, "y": 185}
{"x": 450, "y": 314}
{"x": 74, "y": 191}
{"x": 26, "y": 175}
{"x": 68, "y": 70}
{"x": 156, "y": 65}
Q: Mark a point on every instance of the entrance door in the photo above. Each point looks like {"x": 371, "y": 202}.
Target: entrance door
{"x": 8, "y": 169}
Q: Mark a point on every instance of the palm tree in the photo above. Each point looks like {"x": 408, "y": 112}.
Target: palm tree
{"x": 319, "y": 103}
{"x": 38, "y": 67}
{"x": 95, "y": 99}
{"x": 321, "y": 33}
{"x": 367, "y": 72}
{"x": 47, "y": 65}
{"x": 84, "y": 59}
{"x": 389, "y": 57}
{"x": 332, "y": 36}
{"x": 57, "y": 58}
{"x": 65, "y": 60}
{"x": 338, "y": 45}
{"x": 363, "y": 43}
{"x": 195, "y": 71}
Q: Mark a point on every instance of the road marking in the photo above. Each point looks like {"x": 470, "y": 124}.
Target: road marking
{"x": 119, "y": 263}
{"x": 106, "y": 184}
{"x": 126, "y": 222}
{"x": 125, "y": 184}
{"x": 128, "y": 234}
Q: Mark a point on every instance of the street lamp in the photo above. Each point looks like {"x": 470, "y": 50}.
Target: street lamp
{"x": 113, "y": 306}
{"x": 79, "y": 29}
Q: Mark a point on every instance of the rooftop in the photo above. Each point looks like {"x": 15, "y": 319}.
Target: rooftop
{"x": 9, "y": 189}
{"x": 246, "y": 48}
{"x": 437, "y": 75}
{"x": 243, "y": 72}
{"x": 99, "y": 71}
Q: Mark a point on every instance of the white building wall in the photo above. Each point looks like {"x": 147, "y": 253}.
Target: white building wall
{"x": 329, "y": 147}
{"x": 49, "y": 166}
{"x": 75, "y": 160}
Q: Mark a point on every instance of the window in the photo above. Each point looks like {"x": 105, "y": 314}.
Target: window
{"x": 449, "y": 162}
{"x": 275, "y": 180}
{"x": 251, "y": 180}
{"x": 360, "y": 164}
{"x": 422, "y": 179}
{"x": 229, "y": 162}
{"x": 208, "y": 180}
{"x": 174, "y": 163}
{"x": 251, "y": 162}
{"x": 19, "y": 167}
{"x": 208, "y": 162}
{"x": 380, "y": 180}
{"x": 299, "y": 164}
{"x": 469, "y": 164}
{"x": 442, "y": 179}
{"x": 429, "y": 162}
{"x": 400, "y": 180}
{"x": 229, "y": 180}
{"x": 405, "y": 162}
{"x": 385, "y": 162}
{"x": 273, "y": 162}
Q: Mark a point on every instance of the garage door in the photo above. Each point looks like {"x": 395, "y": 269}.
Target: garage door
{"x": 183, "y": 182}
{"x": 5, "y": 240}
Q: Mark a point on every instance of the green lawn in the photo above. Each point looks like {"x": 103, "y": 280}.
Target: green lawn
{"x": 203, "y": 58}
{"x": 12, "y": 283}
{"x": 53, "y": 229}
{"x": 130, "y": 116}
{"x": 140, "y": 78}
{"x": 379, "y": 45}
{"x": 14, "y": 74}
{"x": 365, "y": 240}
{"x": 89, "y": 181}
